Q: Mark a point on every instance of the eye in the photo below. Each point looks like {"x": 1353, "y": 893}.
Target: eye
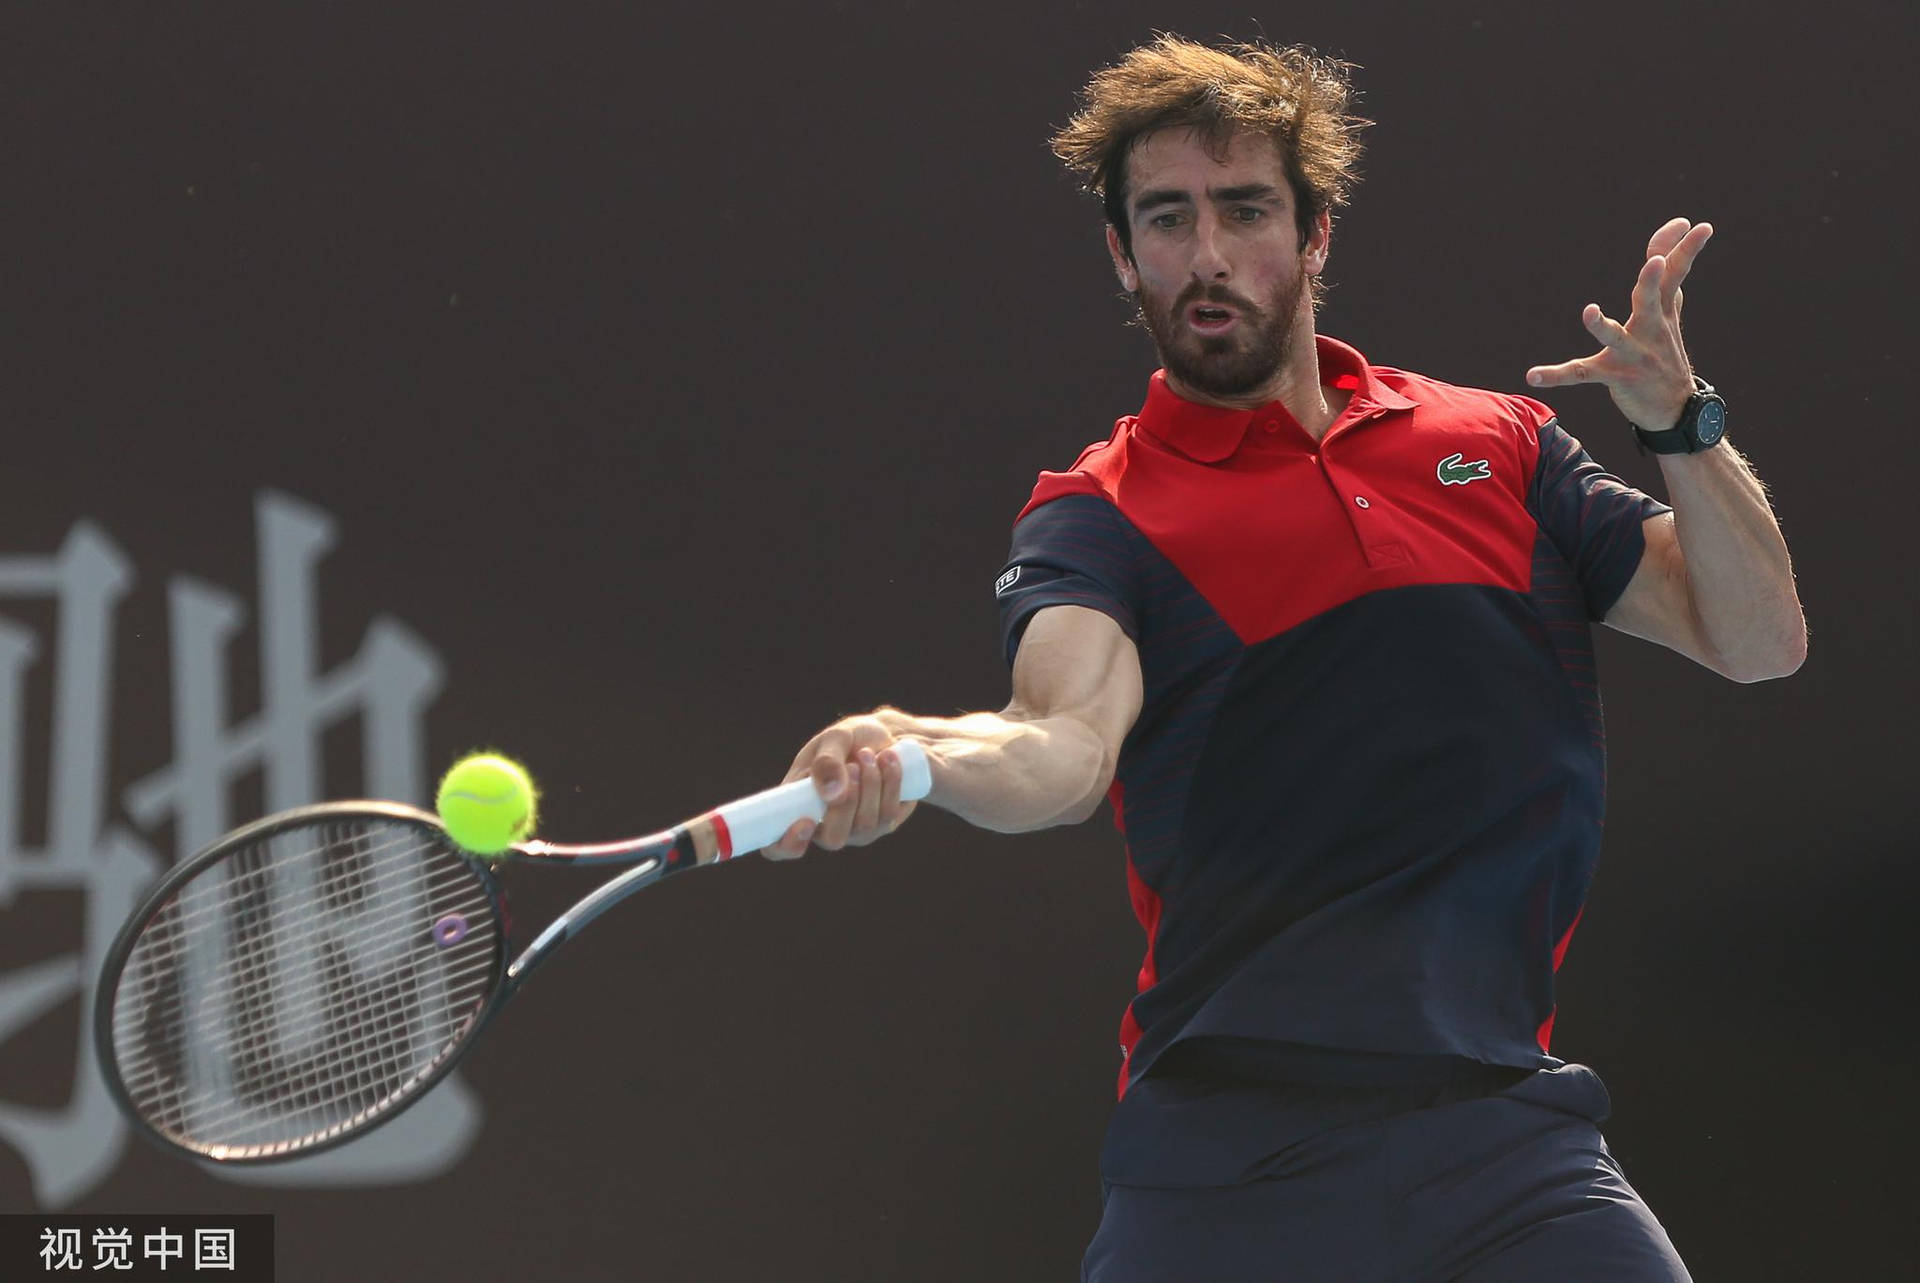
{"x": 1164, "y": 220}
{"x": 1252, "y": 213}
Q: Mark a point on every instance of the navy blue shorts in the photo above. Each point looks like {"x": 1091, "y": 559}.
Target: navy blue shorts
{"x": 1512, "y": 1187}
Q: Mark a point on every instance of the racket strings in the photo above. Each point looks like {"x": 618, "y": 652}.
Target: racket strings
{"x": 228, "y": 978}
{"x": 299, "y": 986}
{"x": 247, "y": 871}
{"x": 373, "y": 1049}
{"x": 262, "y": 1071}
{"x": 168, "y": 961}
{"x": 385, "y": 1002}
{"x": 242, "y": 977}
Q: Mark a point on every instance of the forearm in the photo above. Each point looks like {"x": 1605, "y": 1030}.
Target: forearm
{"x": 1008, "y": 775}
{"x": 1739, "y": 575}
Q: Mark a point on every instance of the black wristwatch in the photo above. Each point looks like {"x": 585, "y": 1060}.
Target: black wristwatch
{"x": 1702, "y": 423}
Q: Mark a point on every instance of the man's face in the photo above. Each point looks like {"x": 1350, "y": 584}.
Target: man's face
{"x": 1217, "y": 262}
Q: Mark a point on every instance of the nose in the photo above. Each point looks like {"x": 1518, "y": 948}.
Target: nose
{"x": 1209, "y": 250}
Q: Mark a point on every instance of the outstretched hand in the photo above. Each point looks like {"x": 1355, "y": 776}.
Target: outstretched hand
{"x": 1643, "y": 363}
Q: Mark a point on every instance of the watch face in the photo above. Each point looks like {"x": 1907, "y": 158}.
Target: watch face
{"x": 1712, "y": 423}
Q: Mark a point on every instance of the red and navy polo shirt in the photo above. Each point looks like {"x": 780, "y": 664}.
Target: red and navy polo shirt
{"x": 1362, "y": 803}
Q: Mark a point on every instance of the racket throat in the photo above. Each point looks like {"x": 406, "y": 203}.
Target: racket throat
{"x": 570, "y": 923}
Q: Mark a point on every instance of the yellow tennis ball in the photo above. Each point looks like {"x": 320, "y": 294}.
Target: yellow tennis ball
{"x": 487, "y": 803}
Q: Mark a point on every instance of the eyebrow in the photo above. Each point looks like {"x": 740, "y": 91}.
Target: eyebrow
{"x": 1176, "y": 196}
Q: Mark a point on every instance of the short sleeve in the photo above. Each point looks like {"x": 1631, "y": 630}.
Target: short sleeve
{"x": 1070, "y": 551}
{"x": 1592, "y": 516}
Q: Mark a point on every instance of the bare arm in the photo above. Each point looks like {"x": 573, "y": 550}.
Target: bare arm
{"x": 1049, "y": 755}
{"x": 1045, "y": 759}
{"x": 1715, "y": 582}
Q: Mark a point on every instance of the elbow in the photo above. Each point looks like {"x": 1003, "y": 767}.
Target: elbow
{"x": 1773, "y": 673}
{"x": 1783, "y": 662}
{"x": 1057, "y": 778}
{"x": 1097, "y": 789}
{"x": 1079, "y": 813}
{"x": 1084, "y": 812}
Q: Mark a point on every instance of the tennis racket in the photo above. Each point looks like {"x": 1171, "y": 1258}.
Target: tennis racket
{"x": 309, "y": 976}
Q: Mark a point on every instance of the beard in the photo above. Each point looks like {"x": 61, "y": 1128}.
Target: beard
{"x": 1232, "y": 364}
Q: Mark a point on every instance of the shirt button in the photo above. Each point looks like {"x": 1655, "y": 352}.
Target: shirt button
{"x": 1270, "y": 426}
{"x": 1362, "y": 501}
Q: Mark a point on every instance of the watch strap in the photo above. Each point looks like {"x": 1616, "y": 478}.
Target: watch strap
{"x": 1679, "y": 439}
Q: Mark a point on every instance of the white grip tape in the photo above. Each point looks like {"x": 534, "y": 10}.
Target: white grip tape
{"x": 762, "y": 819}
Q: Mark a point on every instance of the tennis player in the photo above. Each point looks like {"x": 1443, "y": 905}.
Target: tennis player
{"x": 1319, "y": 631}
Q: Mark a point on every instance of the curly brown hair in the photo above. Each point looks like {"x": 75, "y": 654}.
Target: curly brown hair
{"x": 1293, "y": 95}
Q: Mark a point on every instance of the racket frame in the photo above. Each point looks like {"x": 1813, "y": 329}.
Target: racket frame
{"x": 164, "y": 890}
{"x": 716, "y": 836}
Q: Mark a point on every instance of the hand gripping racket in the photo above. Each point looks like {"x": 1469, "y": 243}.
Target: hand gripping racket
{"x": 309, "y": 976}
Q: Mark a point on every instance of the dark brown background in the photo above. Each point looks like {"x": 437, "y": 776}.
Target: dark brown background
{"x": 725, "y": 342}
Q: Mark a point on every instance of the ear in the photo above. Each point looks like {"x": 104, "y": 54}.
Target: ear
{"x": 1318, "y": 243}
{"x": 1122, "y": 266}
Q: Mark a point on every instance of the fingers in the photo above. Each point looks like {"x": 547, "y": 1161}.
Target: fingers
{"x": 1656, "y": 304}
{"x": 893, "y": 812}
{"x": 1680, "y": 262}
{"x": 866, "y": 808}
{"x": 792, "y": 844}
{"x": 1679, "y": 242}
{"x": 829, "y": 743}
{"x": 1646, "y": 287}
{"x": 842, "y": 801}
{"x": 823, "y": 757}
{"x": 858, "y": 778}
{"x": 871, "y": 807}
{"x": 1565, "y": 373}
{"x": 830, "y": 770}
{"x": 1667, "y": 236}
{"x": 1602, "y": 326}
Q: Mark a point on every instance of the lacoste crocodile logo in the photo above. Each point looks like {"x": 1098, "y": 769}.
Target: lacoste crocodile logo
{"x": 1452, "y": 472}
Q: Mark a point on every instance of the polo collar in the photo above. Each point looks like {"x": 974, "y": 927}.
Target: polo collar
{"x": 1208, "y": 433}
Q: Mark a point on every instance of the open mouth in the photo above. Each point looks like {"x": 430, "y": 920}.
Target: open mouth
{"x": 1209, "y": 319}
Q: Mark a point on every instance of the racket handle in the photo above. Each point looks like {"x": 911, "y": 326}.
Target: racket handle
{"x": 762, "y": 819}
